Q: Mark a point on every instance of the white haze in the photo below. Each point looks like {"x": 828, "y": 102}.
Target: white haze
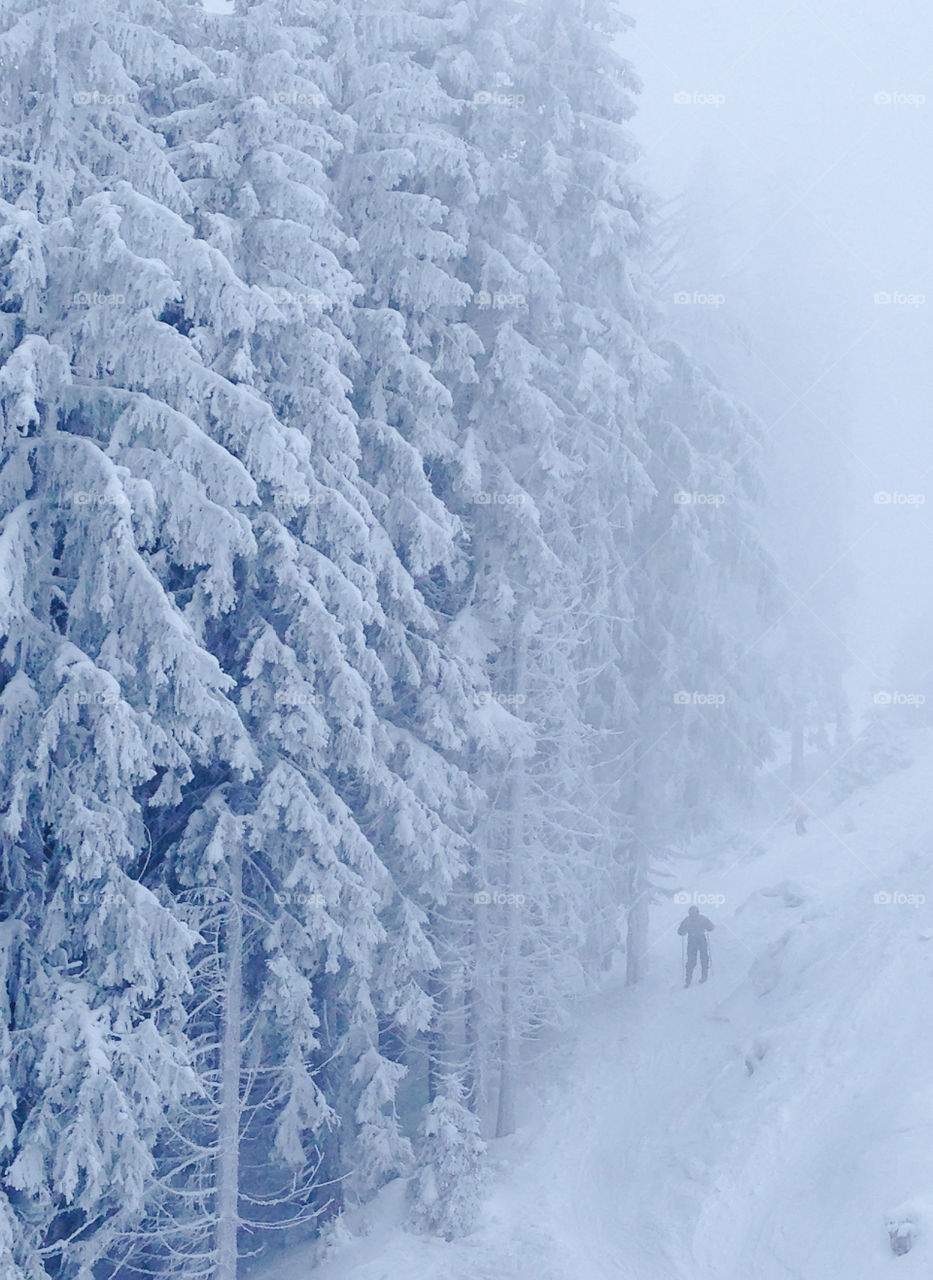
{"x": 829, "y": 200}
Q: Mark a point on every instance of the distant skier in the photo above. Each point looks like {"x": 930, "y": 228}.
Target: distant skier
{"x": 695, "y": 928}
{"x": 801, "y": 813}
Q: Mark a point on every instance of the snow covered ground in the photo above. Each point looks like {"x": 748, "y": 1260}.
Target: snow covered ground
{"x": 761, "y": 1127}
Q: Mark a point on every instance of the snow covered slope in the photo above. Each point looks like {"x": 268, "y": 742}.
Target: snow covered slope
{"x": 763, "y": 1126}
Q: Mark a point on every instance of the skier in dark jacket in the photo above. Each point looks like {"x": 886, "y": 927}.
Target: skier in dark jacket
{"x": 695, "y": 927}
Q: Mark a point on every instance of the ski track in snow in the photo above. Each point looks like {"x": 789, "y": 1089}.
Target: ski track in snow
{"x": 756, "y": 1128}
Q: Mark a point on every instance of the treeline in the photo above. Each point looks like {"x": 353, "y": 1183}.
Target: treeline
{"x": 379, "y": 593}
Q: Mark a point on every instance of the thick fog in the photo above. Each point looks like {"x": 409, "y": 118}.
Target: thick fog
{"x": 452, "y": 503}
{"x": 802, "y": 136}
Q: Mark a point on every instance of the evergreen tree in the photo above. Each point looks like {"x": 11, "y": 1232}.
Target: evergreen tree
{"x": 445, "y": 1193}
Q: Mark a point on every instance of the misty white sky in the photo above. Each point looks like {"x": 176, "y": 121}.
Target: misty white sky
{"x": 830, "y": 200}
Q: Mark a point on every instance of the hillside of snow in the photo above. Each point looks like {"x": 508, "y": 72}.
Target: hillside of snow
{"x": 777, "y": 1122}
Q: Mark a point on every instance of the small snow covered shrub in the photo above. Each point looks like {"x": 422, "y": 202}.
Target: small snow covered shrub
{"x": 445, "y": 1193}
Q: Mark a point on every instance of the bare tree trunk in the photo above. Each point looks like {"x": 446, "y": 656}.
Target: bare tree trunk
{"x": 637, "y": 916}
{"x": 638, "y": 854}
{"x": 796, "y": 757}
{"x": 228, "y": 1128}
{"x": 843, "y": 734}
{"x": 437, "y": 1037}
{"x": 508, "y": 1069}
{"x": 478, "y": 999}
